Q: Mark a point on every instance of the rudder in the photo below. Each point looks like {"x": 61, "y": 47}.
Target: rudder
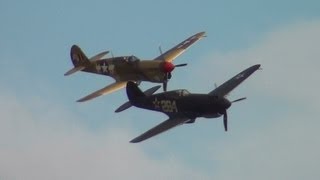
{"x": 78, "y": 58}
{"x": 133, "y": 91}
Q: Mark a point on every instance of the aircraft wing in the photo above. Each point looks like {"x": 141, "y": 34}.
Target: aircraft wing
{"x": 174, "y": 52}
{"x": 162, "y": 127}
{"x": 106, "y": 90}
{"x": 232, "y": 83}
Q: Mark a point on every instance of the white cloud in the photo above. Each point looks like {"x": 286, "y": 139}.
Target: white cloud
{"x": 289, "y": 57}
{"x": 41, "y": 140}
{"x": 51, "y": 144}
{"x": 287, "y": 147}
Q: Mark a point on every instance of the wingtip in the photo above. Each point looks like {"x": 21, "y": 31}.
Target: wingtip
{"x": 82, "y": 99}
{"x": 202, "y": 34}
{"x": 69, "y": 72}
{"x": 134, "y": 141}
{"x": 199, "y": 35}
{"x": 87, "y": 98}
{"x": 137, "y": 140}
{"x": 123, "y": 107}
{"x": 257, "y": 66}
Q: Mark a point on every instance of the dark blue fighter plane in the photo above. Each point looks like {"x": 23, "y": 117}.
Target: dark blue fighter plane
{"x": 184, "y": 107}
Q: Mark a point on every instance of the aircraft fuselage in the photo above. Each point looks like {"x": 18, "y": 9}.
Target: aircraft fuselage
{"x": 125, "y": 69}
{"x": 175, "y": 103}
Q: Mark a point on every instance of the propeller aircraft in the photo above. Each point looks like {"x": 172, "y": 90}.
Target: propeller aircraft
{"x": 183, "y": 107}
{"x": 129, "y": 68}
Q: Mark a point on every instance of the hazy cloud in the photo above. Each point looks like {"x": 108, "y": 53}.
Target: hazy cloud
{"x": 42, "y": 140}
{"x": 286, "y": 97}
{"x": 51, "y": 144}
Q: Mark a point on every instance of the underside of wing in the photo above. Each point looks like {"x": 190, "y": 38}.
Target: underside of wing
{"x": 162, "y": 127}
{"x": 106, "y": 90}
{"x": 174, "y": 52}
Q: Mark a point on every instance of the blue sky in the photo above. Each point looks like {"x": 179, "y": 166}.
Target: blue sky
{"x": 272, "y": 134}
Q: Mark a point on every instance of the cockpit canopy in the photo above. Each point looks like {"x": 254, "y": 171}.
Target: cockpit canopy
{"x": 133, "y": 59}
{"x": 179, "y": 92}
{"x": 183, "y": 92}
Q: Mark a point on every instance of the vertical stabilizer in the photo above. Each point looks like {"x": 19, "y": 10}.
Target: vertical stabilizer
{"x": 133, "y": 91}
{"x": 78, "y": 58}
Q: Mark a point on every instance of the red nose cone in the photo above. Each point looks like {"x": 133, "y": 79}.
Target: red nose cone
{"x": 168, "y": 67}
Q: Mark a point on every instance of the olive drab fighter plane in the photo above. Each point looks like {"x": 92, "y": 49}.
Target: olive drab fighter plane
{"x": 184, "y": 107}
{"x": 129, "y": 68}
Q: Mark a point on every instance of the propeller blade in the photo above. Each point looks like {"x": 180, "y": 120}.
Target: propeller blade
{"x": 160, "y": 50}
{"x": 165, "y": 82}
{"x": 240, "y": 99}
{"x": 225, "y": 121}
{"x": 165, "y": 86}
{"x": 180, "y": 65}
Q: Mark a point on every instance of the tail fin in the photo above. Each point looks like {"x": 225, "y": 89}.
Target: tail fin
{"x": 133, "y": 91}
{"x": 78, "y": 58}
{"x": 127, "y": 105}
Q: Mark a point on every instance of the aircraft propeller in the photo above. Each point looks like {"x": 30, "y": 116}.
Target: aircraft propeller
{"x": 225, "y": 114}
{"x": 240, "y": 99}
{"x": 225, "y": 120}
{"x": 168, "y": 67}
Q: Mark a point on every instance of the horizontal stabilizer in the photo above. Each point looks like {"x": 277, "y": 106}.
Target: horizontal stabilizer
{"x": 106, "y": 90}
{"x": 127, "y": 104}
{"x": 73, "y": 70}
{"x": 99, "y": 56}
{"x": 123, "y": 107}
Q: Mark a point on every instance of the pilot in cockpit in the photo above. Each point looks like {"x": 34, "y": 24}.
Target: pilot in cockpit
{"x": 132, "y": 59}
{"x": 183, "y": 92}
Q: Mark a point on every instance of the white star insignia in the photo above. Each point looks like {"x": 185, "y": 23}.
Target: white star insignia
{"x": 156, "y": 103}
{"x": 104, "y": 67}
{"x": 240, "y": 76}
{"x": 98, "y": 68}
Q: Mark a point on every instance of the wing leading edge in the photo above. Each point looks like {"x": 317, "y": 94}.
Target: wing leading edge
{"x": 174, "y": 52}
{"x": 232, "y": 83}
{"x": 160, "y": 128}
{"x": 106, "y": 90}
